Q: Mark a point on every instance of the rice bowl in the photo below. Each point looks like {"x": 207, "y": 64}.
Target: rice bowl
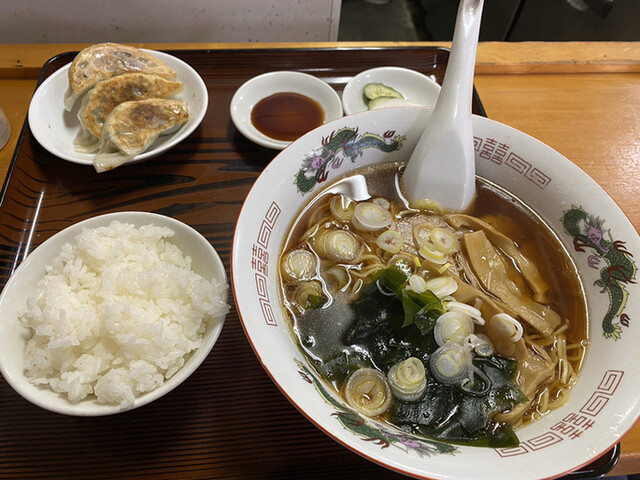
{"x": 112, "y": 313}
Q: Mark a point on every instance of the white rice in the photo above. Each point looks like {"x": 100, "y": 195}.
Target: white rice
{"x": 117, "y": 314}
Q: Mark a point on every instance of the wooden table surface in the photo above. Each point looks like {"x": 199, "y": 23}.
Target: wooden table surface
{"x": 582, "y": 99}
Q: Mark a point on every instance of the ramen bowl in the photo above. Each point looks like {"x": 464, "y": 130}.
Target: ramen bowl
{"x": 605, "y": 401}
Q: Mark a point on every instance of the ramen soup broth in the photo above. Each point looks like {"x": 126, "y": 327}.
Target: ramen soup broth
{"x": 332, "y": 300}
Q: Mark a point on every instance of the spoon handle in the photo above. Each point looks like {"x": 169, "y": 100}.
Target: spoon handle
{"x": 442, "y": 166}
{"x": 455, "y": 100}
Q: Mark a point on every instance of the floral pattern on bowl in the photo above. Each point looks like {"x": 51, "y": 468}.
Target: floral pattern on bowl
{"x": 371, "y": 431}
{"x": 588, "y": 233}
{"x": 348, "y": 142}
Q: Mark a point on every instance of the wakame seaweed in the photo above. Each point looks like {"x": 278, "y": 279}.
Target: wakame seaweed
{"x": 450, "y": 413}
{"x": 393, "y": 323}
{"x": 382, "y": 327}
{"x": 388, "y": 324}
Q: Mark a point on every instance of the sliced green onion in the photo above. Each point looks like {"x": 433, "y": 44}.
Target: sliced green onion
{"x": 480, "y": 344}
{"x": 370, "y": 217}
{"x": 381, "y": 202}
{"x": 306, "y": 290}
{"x": 450, "y": 364}
{"x": 408, "y": 379}
{"x": 336, "y": 278}
{"x": 507, "y": 326}
{"x": 442, "y": 286}
{"x": 444, "y": 240}
{"x": 444, "y": 268}
{"x": 417, "y": 283}
{"x": 342, "y": 207}
{"x": 430, "y": 252}
{"x": 299, "y": 265}
{"x": 337, "y": 245}
{"x": 427, "y": 205}
{"x": 473, "y": 312}
{"x": 452, "y": 327}
{"x": 422, "y": 232}
{"x": 368, "y": 392}
{"x": 390, "y": 241}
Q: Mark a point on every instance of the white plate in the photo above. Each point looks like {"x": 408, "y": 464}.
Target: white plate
{"x": 413, "y": 86}
{"x": 254, "y": 90}
{"x": 13, "y": 335}
{"x": 55, "y": 128}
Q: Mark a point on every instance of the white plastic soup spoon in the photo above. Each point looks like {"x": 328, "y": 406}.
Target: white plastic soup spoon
{"x": 442, "y": 166}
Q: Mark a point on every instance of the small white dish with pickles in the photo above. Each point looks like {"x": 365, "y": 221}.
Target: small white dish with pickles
{"x": 389, "y": 87}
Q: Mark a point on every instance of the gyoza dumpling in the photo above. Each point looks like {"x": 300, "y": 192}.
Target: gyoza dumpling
{"x": 132, "y": 127}
{"x": 105, "y": 60}
{"x": 98, "y": 103}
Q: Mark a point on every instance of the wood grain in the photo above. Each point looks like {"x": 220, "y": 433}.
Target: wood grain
{"x": 228, "y": 420}
{"x": 582, "y": 99}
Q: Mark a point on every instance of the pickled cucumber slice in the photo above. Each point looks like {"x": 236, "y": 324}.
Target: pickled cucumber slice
{"x": 376, "y": 102}
{"x": 375, "y": 90}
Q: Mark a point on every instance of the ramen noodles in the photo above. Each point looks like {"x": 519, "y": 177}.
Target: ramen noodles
{"x": 457, "y": 327}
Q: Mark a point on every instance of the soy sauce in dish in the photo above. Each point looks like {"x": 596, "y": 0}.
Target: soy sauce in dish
{"x": 286, "y": 116}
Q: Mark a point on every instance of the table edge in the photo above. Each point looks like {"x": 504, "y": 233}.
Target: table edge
{"x": 26, "y": 60}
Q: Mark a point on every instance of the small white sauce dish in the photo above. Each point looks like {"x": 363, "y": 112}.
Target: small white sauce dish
{"x": 262, "y": 86}
{"x": 23, "y": 283}
{"x": 55, "y": 128}
{"x": 414, "y": 86}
